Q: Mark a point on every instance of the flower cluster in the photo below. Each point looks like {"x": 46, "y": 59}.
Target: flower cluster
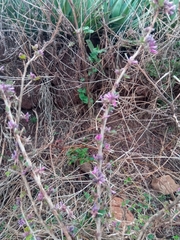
{"x": 94, "y": 210}
{"x": 21, "y": 222}
{"x": 32, "y": 75}
{"x": 169, "y": 7}
{"x": 132, "y": 61}
{"x": 110, "y": 98}
{"x": 12, "y": 125}
{"x": 107, "y": 146}
{"x": 98, "y": 137}
{"x": 71, "y": 230}
{"x": 40, "y": 52}
{"x": 152, "y": 44}
{"x": 99, "y": 177}
{"x": 7, "y": 89}
{"x": 26, "y": 116}
{"x": 63, "y": 208}
{"x": 37, "y": 52}
{"x": 97, "y": 157}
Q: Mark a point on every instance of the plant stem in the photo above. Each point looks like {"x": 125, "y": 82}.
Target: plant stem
{"x": 103, "y": 126}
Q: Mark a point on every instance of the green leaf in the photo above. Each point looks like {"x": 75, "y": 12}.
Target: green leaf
{"x": 29, "y": 237}
{"x": 23, "y": 194}
{"x": 8, "y": 173}
{"x": 82, "y": 79}
{"x": 37, "y": 78}
{"x": 87, "y": 195}
{"x": 22, "y": 56}
{"x": 161, "y": 3}
{"x": 87, "y": 30}
{"x": 102, "y": 213}
{"x": 150, "y": 236}
{"x": 176, "y": 237}
{"x": 15, "y": 207}
{"x": 82, "y": 90}
{"x": 26, "y": 229}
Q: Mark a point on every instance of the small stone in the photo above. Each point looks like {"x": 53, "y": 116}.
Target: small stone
{"x": 86, "y": 167}
{"x": 120, "y": 213}
{"x": 165, "y": 185}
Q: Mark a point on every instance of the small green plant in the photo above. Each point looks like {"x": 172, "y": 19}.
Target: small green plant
{"x": 88, "y": 197}
{"x": 128, "y": 180}
{"x": 150, "y": 236}
{"x": 94, "y": 52}
{"x": 157, "y": 68}
{"x": 176, "y": 237}
{"x": 87, "y": 30}
{"x": 78, "y": 155}
{"x": 83, "y": 96}
{"x": 33, "y": 119}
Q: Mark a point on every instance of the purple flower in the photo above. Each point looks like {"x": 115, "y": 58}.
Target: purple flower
{"x": 107, "y": 146}
{"x": 114, "y": 224}
{"x": 32, "y": 75}
{"x": 61, "y": 206}
{"x": 25, "y": 234}
{"x": 105, "y": 116}
{"x": 27, "y": 116}
{"x": 97, "y": 157}
{"x": 50, "y": 190}
{"x": 147, "y": 29}
{"x": 113, "y": 192}
{"x": 21, "y": 222}
{"x": 110, "y": 98}
{"x": 18, "y": 201}
{"x": 70, "y": 214}
{"x": 12, "y": 125}
{"x": 108, "y": 165}
{"x": 71, "y": 230}
{"x": 99, "y": 177}
{"x": 40, "y": 196}
{"x": 15, "y": 156}
{"x": 30, "y": 216}
{"x": 94, "y": 210}
{"x": 6, "y": 88}
{"x": 40, "y": 170}
{"x": 132, "y": 61}
{"x": 26, "y": 170}
{"x": 2, "y": 68}
{"x": 95, "y": 171}
{"x": 152, "y": 44}
{"x": 98, "y": 137}
{"x": 117, "y": 71}
{"x": 40, "y": 52}
{"x": 169, "y": 7}
{"x": 108, "y": 129}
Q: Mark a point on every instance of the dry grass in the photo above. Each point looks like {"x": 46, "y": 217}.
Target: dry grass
{"x": 145, "y": 143}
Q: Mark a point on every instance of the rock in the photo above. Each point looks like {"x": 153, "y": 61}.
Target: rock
{"x": 86, "y": 167}
{"x": 120, "y": 213}
{"x": 164, "y": 184}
